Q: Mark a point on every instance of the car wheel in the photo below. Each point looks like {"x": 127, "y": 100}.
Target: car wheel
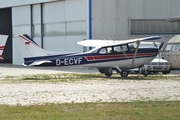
{"x": 164, "y": 72}
{"x": 167, "y": 72}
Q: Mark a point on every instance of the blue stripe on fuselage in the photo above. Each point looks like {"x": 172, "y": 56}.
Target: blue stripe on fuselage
{"x": 77, "y": 59}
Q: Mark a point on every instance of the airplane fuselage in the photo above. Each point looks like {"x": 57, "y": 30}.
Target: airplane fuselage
{"x": 144, "y": 55}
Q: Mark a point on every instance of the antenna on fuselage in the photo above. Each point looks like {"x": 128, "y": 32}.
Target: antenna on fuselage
{"x": 108, "y": 37}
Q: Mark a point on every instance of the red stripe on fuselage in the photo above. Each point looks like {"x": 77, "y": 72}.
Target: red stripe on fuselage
{"x": 107, "y": 57}
{"x": 90, "y": 58}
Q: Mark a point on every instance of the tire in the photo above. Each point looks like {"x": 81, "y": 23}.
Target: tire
{"x": 124, "y": 73}
{"x": 145, "y": 73}
{"x": 102, "y": 71}
{"x": 164, "y": 72}
{"x": 108, "y": 73}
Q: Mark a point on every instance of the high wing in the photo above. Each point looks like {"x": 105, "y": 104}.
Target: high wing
{"x": 105, "y": 43}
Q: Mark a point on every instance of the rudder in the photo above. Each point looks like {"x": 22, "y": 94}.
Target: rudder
{"x": 28, "y": 47}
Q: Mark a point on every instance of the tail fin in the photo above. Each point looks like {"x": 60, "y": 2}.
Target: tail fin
{"x": 28, "y": 47}
{"x": 3, "y": 39}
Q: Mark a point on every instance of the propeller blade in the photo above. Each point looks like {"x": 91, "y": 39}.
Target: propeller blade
{"x": 161, "y": 45}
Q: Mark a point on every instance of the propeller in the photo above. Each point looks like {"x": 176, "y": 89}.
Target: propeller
{"x": 161, "y": 45}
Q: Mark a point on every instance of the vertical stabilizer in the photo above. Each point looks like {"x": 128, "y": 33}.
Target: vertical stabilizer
{"x": 28, "y": 47}
{"x": 3, "y": 39}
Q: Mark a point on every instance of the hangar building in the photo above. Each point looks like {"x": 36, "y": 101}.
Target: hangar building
{"x": 56, "y": 25}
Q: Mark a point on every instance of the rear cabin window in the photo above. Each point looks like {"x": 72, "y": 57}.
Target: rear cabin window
{"x": 117, "y": 49}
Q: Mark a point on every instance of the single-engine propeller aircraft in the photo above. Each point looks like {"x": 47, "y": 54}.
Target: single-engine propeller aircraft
{"x": 122, "y": 55}
{"x": 3, "y": 39}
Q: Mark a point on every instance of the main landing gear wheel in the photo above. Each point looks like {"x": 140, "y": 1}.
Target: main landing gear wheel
{"x": 108, "y": 72}
{"x": 124, "y": 73}
{"x": 102, "y": 71}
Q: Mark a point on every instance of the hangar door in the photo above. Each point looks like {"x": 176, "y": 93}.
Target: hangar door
{"x": 6, "y": 28}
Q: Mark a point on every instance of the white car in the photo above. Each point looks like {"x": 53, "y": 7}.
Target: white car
{"x": 157, "y": 65}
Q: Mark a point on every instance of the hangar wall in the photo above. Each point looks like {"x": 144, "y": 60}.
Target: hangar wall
{"x": 6, "y": 29}
{"x": 13, "y": 3}
{"x": 55, "y": 26}
{"x": 113, "y": 17}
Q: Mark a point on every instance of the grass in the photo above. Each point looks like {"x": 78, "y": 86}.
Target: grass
{"x": 66, "y": 77}
{"x": 153, "y": 110}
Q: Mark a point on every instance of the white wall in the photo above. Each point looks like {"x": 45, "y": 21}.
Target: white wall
{"x": 12, "y": 3}
{"x": 54, "y": 12}
{"x": 21, "y": 24}
{"x": 63, "y": 44}
{"x": 68, "y": 11}
{"x": 76, "y": 10}
{"x": 63, "y": 11}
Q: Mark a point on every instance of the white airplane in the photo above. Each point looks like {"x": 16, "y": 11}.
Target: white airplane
{"x": 107, "y": 55}
{"x": 3, "y": 39}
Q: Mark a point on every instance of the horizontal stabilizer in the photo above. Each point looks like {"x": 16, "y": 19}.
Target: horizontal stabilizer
{"x": 38, "y": 63}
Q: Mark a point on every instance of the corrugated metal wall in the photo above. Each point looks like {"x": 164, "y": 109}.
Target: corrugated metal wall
{"x": 64, "y": 23}
{"x": 111, "y": 17}
{"x": 12, "y": 3}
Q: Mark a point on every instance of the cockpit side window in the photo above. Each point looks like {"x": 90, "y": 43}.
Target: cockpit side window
{"x": 124, "y": 48}
{"x": 132, "y": 46}
{"x": 168, "y": 48}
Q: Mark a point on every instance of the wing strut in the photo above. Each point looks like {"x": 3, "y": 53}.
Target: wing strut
{"x": 138, "y": 43}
